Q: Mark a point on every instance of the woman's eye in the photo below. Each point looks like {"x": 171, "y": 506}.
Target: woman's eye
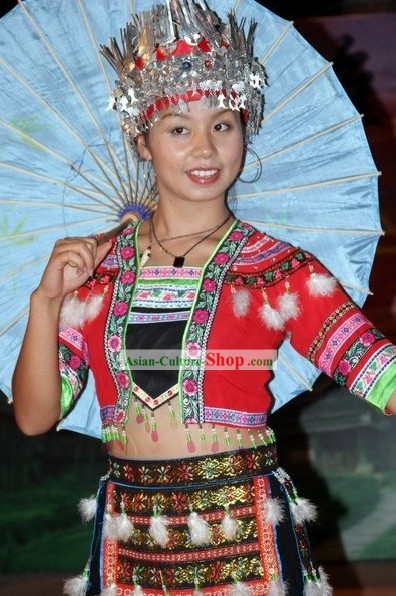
{"x": 222, "y": 126}
{"x": 179, "y": 130}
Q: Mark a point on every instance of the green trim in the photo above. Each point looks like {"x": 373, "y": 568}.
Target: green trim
{"x": 66, "y": 396}
{"x": 383, "y": 388}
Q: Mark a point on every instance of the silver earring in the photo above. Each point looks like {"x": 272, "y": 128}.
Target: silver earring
{"x": 259, "y": 168}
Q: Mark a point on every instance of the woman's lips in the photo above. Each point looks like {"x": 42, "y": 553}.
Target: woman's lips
{"x": 204, "y": 176}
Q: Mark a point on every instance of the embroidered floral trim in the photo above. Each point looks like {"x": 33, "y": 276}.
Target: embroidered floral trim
{"x": 157, "y": 317}
{"x": 354, "y": 354}
{"x": 337, "y": 339}
{"x": 321, "y": 337}
{"x": 234, "y": 418}
{"x": 274, "y": 274}
{"x": 201, "y": 318}
{"x": 167, "y": 295}
{"x": 374, "y": 368}
{"x": 117, "y": 321}
{"x": 222, "y": 466}
{"x": 73, "y": 368}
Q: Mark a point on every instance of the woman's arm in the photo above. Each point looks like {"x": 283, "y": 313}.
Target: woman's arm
{"x": 36, "y": 381}
{"x": 391, "y": 405}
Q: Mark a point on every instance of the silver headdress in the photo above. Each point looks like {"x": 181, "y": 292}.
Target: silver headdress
{"x": 178, "y": 52}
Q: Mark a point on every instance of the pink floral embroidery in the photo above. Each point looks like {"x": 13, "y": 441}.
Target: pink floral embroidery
{"x": 122, "y": 379}
{"x": 193, "y": 350}
{"x": 344, "y": 367}
{"x": 127, "y": 252}
{"x": 114, "y": 343}
{"x": 367, "y": 339}
{"x": 200, "y": 316}
{"x": 221, "y": 258}
{"x": 120, "y": 309}
{"x": 209, "y": 285}
{"x": 236, "y": 236}
{"x": 189, "y": 387}
{"x": 128, "y": 277}
{"x": 74, "y": 362}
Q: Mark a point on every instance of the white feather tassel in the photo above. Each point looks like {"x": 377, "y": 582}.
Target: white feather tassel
{"x": 326, "y": 588}
{"x": 93, "y": 306}
{"x": 271, "y": 317}
{"x": 87, "y": 509}
{"x": 158, "y": 529}
{"x": 198, "y": 593}
{"x": 273, "y": 511}
{"x": 200, "y": 531}
{"x": 277, "y": 588}
{"x": 321, "y": 284}
{"x": 110, "y": 527}
{"x": 75, "y": 586}
{"x": 72, "y": 312}
{"x": 137, "y": 591}
{"x": 240, "y": 302}
{"x": 125, "y": 527}
{"x": 110, "y": 591}
{"x": 229, "y": 527}
{"x": 319, "y": 588}
{"x": 240, "y": 589}
{"x": 303, "y": 510}
{"x": 288, "y": 306}
{"x": 75, "y": 312}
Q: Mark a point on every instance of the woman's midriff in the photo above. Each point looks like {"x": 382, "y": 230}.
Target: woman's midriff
{"x": 172, "y": 439}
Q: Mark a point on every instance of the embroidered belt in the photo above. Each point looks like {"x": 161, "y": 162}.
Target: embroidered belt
{"x": 243, "y": 463}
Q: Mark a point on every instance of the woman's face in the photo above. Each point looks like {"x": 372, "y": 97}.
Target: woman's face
{"x": 196, "y": 153}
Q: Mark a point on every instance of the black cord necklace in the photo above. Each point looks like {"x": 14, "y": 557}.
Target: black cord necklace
{"x": 179, "y": 259}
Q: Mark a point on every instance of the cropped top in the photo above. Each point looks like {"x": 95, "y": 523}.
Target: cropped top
{"x": 254, "y": 293}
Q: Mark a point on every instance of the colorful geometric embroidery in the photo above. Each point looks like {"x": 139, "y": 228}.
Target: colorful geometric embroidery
{"x": 352, "y": 356}
{"x": 75, "y": 339}
{"x": 143, "y": 318}
{"x": 234, "y": 417}
{"x": 266, "y": 531}
{"x": 181, "y": 564}
{"x": 259, "y": 253}
{"x": 274, "y": 274}
{"x": 377, "y": 364}
{"x": 166, "y": 287}
{"x": 339, "y": 337}
{"x": 154, "y": 402}
{"x": 332, "y": 320}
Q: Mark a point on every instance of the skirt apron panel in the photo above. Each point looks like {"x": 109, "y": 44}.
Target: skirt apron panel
{"x": 199, "y": 526}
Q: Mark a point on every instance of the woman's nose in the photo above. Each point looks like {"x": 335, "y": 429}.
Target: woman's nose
{"x": 203, "y": 145}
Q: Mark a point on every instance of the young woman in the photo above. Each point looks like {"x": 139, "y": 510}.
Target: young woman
{"x": 194, "y": 501}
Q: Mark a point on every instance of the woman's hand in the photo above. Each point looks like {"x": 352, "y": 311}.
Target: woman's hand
{"x": 72, "y": 262}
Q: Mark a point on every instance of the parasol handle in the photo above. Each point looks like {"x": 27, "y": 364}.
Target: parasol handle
{"x": 114, "y": 232}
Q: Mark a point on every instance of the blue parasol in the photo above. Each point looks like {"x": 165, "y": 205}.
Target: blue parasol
{"x": 66, "y": 170}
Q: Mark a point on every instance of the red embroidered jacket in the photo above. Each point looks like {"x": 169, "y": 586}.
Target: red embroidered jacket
{"x": 254, "y": 292}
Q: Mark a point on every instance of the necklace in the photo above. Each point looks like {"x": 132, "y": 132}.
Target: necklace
{"x": 178, "y": 259}
{"x": 187, "y": 235}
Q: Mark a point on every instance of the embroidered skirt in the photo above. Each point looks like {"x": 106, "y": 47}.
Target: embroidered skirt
{"x": 227, "y": 524}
